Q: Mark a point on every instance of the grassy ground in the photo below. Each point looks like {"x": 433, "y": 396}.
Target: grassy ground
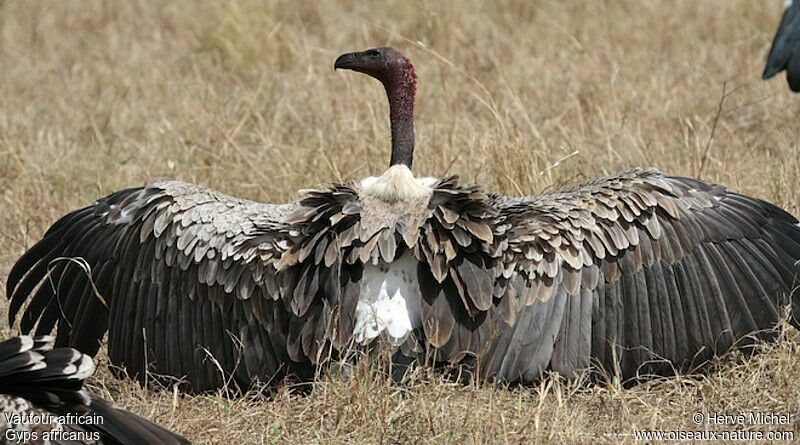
{"x": 519, "y": 96}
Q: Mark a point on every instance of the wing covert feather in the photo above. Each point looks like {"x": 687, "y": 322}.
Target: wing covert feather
{"x": 155, "y": 254}
{"x": 686, "y": 269}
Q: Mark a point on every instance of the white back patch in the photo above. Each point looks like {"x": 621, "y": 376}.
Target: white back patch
{"x": 389, "y": 301}
{"x": 397, "y": 184}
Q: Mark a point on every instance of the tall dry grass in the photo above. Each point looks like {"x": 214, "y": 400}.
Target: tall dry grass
{"x": 520, "y": 96}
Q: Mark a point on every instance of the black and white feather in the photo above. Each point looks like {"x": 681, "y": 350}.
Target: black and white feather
{"x": 40, "y": 387}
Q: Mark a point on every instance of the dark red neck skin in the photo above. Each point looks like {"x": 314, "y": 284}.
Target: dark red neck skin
{"x": 401, "y": 87}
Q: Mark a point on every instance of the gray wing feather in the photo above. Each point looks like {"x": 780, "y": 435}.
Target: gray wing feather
{"x": 669, "y": 272}
{"x": 165, "y": 259}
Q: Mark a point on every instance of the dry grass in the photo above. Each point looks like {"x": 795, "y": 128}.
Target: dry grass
{"x": 520, "y": 96}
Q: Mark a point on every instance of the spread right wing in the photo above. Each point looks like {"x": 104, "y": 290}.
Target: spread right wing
{"x": 183, "y": 278}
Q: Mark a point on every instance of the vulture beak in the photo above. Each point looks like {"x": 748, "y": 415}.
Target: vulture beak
{"x": 345, "y": 61}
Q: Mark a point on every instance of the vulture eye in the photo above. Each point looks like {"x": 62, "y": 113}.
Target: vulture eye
{"x": 373, "y": 54}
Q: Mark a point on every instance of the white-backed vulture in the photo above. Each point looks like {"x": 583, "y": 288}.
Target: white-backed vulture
{"x": 636, "y": 273}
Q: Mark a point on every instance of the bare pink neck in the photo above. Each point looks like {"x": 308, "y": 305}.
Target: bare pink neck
{"x": 401, "y": 90}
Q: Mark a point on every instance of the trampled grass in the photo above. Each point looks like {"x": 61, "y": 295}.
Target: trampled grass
{"x": 519, "y": 96}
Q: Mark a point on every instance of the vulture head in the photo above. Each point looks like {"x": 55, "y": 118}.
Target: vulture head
{"x": 396, "y": 73}
{"x": 386, "y": 64}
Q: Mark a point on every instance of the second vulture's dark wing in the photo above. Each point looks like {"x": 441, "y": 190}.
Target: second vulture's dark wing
{"x": 183, "y": 278}
{"x": 40, "y": 385}
{"x": 641, "y": 271}
{"x": 785, "y": 51}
